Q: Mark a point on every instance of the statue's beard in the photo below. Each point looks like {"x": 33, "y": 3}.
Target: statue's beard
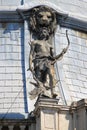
{"x": 44, "y": 33}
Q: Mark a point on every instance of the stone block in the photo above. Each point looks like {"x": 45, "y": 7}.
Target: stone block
{"x": 48, "y": 120}
{"x": 76, "y": 89}
{"x": 48, "y": 116}
{"x": 18, "y": 110}
{"x": 14, "y": 83}
{"x": 18, "y": 100}
{"x": 83, "y": 71}
{"x": 17, "y": 89}
{"x": 77, "y": 82}
{"x": 65, "y": 121}
{"x": 70, "y": 75}
{"x": 2, "y": 77}
{"x": 1, "y": 95}
{"x": 72, "y": 88}
{"x": 10, "y": 3}
{"x": 69, "y": 81}
{"x": 22, "y": 105}
{"x": 84, "y": 50}
{"x": 85, "y": 64}
{"x": 10, "y": 95}
{"x": 2, "y": 83}
{"x": 83, "y": 41}
{"x": 17, "y": 49}
{"x": 81, "y": 120}
{"x": 82, "y": 56}
{"x": 17, "y": 76}
{"x": 2, "y": 56}
{"x": 83, "y": 90}
{"x": 5, "y": 89}
{"x": 85, "y": 84}
{"x": 75, "y": 47}
{"x": 79, "y": 63}
{"x": 0, "y": 2}
{"x": 6, "y": 105}
{"x": 81, "y": 77}
{"x": 74, "y": 69}
{"x": 73, "y": 94}
{"x": 2, "y": 110}
{"x": 83, "y": 95}
{"x": 16, "y": 70}
{"x": 73, "y": 39}
{"x": 12, "y": 63}
{"x": 21, "y": 95}
{"x": 1, "y": 106}
{"x": 14, "y": 36}
{"x": 16, "y": 105}
{"x": 8, "y": 76}
{"x": 68, "y": 61}
{"x": 2, "y": 70}
{"x": 73, "y": 54}
{"x": 6, "y": 100}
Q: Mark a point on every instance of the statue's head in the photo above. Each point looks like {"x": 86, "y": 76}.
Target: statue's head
{"x": 43, "y": 21}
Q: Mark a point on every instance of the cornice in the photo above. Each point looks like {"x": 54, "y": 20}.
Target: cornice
{"x": 9, "y": 14}
{"x": 17, "y": 121}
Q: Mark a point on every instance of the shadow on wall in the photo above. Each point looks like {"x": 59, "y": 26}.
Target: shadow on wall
{"x": 69, "y": 121}
{"x": 15, "y": 127}
{"x": 11, "y": 116}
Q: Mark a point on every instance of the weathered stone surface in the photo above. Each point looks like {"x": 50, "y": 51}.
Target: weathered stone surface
{"x": 71, "y": 72}
{"x": 12, "y": 68}
{"x": 57, "y": 117}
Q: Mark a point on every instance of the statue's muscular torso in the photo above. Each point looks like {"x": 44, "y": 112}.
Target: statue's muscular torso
{"x": 41, "y": 49}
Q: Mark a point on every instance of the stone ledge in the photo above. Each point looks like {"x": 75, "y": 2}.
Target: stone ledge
{"x": 28, "y": 121}
{"x": 45, "y": 100}
{"x": 51, "y": 116}
{"x": 49, "y": 103}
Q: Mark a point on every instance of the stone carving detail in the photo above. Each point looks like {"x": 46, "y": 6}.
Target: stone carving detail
{"x": 42, "y": 24}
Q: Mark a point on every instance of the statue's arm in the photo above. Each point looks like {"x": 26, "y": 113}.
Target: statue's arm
{"x": 60, "y": 56}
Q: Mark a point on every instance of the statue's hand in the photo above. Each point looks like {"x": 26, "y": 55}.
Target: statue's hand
{"x": 64, "y": 50}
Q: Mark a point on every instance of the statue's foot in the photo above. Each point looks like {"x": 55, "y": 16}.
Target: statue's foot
{"x": 55, "y": 95}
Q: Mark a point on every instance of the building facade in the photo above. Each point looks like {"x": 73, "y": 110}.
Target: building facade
{"x": 71, "y": 71}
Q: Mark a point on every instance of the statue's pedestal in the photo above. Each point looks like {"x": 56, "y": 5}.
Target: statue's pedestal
{"x": 46, "y": 112}
{"x": 50, "y": 115}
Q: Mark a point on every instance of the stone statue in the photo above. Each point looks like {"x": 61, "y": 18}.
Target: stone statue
{"x": 43, "y": 24}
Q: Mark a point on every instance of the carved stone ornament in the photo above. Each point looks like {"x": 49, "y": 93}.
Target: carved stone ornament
{"x": 42, "y": 25}
{"x": 43, "y": 22}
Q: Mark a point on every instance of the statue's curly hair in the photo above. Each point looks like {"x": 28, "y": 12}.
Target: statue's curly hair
{"x": 33, "y": 21}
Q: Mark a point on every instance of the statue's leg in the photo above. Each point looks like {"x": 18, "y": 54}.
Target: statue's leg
{"x": 52, "y": 81}
{"x": 37, "y": 73}
{"x": 52, "y": 69}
